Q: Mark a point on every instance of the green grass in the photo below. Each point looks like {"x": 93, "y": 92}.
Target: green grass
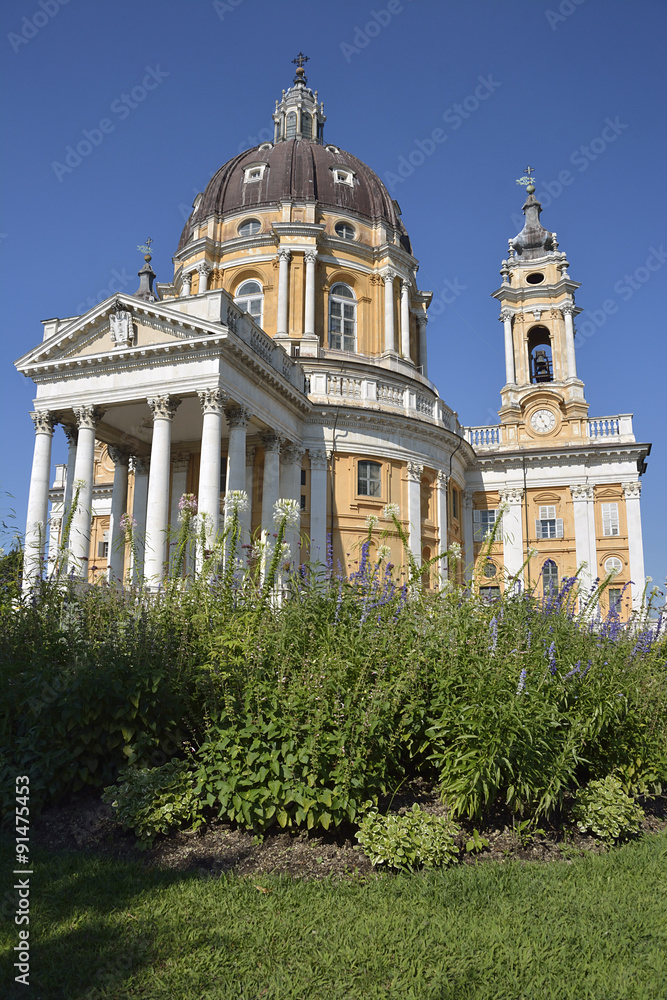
{"x": 595, "y": 929}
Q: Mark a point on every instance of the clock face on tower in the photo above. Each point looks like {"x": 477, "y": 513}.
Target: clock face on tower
{"x": 543, "y": 421}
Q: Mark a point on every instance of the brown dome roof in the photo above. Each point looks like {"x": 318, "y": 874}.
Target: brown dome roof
{"x": 297, "y": 169}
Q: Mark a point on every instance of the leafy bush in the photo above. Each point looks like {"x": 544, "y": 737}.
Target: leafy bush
{"x": 607, "y": 811}
{"x": 408, "y": 840}
{"x": 153, "y": 800}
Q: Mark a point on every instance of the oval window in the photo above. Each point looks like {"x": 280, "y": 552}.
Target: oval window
{"x": 344, "y": 230}
{"x": 250, "y": 227}
{"x": 613, "y": 565}
{"x": 536, "y": 278}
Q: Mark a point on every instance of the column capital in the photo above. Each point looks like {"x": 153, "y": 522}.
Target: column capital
{"x": 567, "y": 309}
{"x": 139, "y": 465}
{"x": 272, "y": 442}
{"x": 422, "y": 318}
{"x": 318, "y": 459}
{"x": 405, "y": 285}
{"x": 118, "y": 455}
{"x": 203, "y": 268}
{"x": 506, "y": 315}
{"x": 163, "y": 407}
{"x": 511, "y": 495}
{"x": 387, "y": 274}
{"x": 293, "y": 453}
{"x": 632, "y": 491}
{"x": 310, "y": 256}
{"x": 284, "y": 254}
{"x": 212, "y": 400}
{"x": 441, "y": 479}
{"x": 88, "y": 416}
{"x": 71, "y": 433}
{"x": 237, "y": 416}
{"x": 580, "y": 491}
{"x": 44, "y": 421}
{"x": 415, "y": 472}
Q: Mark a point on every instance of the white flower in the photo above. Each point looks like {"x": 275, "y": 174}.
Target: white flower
{"x": 285, "y": 552}
{"x": 383, "y": 552}
{"x": 287, "y": 509}
{"x": 372, "y": 522}
{"x": 391, "y": 510}
{"x": 236, "y": 501}
{"x": 455, "y": 550}
{"x": 258, "y": 550}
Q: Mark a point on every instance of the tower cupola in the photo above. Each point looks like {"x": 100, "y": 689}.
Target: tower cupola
{"x": 299, "y": 115}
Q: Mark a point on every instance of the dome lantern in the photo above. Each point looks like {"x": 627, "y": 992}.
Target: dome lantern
{"x": 299, "y": 115}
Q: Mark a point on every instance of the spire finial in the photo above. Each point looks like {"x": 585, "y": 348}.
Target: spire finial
{"x": 527, "y": 180}
{"x": 300, "y": 76}
{"x": 146, "y": 249}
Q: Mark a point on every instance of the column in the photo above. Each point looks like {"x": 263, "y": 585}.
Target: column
{"x": 511, "y": 500}
{"x": 318, "y": 507}
{"x": 422, "y": 320}
{"x": 415, "y": 472}
{"x": 157, "y": 506}
{"x": 290, "y": 488}
{"x": 237, "y": 421}
{"x": 203, "y": 270}
{"x": 208, "y": 497}
{"x": 116, "y": 554}
{"x": 389, "y": 332}
{"x": 80, "y": 524}
{"x": 283, "y": 283}
{"x": 441, "y": 481}
{"x": 179, "y": 482}
{"x": 140, "y": 468}
{"x": 632, "y": 493}
{"x": 187, "y": 283}
{"x": 468, "y": 553}
{"x": 309, "y": 319}
{"x": 38, "y": 499}
{"x": 510, "y": 375}
{"x": 405, "y": 319}
{"x": 568, "y": 313}
{"x": 270, "y": 483}
{"x": 250, "y": 489}
{"x": 71, "y": 434}
{"x": 583, "y": 504}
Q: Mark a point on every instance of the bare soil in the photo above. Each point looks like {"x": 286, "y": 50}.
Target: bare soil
{"x": 87, "y": 824}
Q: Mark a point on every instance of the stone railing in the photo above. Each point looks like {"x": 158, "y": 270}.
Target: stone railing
{"x": 485, "y": 437}
{"x": 379, "y": 392}
{"x": 596, "y": 429}
{"x": 603, "y": 428}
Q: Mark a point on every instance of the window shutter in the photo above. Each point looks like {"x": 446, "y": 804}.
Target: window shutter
{"x": 100, "y": 550}
{"x": 538, "y": 527}
{"x": 477, "y": 523}
{"x": 548, "y": 513}
{"x": 559, "y": 527}
{"x": 610, "y": 519}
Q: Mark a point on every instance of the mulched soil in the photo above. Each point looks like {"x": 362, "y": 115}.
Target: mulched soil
{"x": 88, "y": 824}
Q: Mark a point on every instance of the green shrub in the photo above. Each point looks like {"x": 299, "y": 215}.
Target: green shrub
{"x": 409, "y": 840}
{"x": 607, "y": 811}
{"x": 153, "y": 800}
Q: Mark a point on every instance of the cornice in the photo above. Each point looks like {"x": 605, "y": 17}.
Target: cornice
{"x": 574, "y": 455}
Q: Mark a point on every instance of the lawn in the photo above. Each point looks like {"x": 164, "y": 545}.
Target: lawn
{"x": 592, "y": 928}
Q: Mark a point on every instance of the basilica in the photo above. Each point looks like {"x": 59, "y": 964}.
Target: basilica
{"x": 288, "y": 358}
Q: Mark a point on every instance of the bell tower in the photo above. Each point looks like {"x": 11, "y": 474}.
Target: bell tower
{"x": 542, "y": 396}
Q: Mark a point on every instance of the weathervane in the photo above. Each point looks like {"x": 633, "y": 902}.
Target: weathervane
{"x": 526, "y": 180}
{"x": 146, "y": 248}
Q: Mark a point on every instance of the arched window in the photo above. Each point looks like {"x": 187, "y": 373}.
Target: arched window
{"x": 369, "y": 479}
{"x": 249, "y": 296}
{"x": 250, "y": 227}
{"x": 549, "y": 578}
{"x": 539, "y": 350}
{"x": 342, "y": 318}
{"x": 306, "y": 125}
{"x": 290, "y": 125}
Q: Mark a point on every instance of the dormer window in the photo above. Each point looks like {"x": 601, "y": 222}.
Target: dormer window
{"x": 342, "y": 176}
{"x": 250, "y": 227}
{"x": 253, "y": 173}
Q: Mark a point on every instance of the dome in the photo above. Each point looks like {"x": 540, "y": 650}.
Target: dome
{"x": 299, "y": 170}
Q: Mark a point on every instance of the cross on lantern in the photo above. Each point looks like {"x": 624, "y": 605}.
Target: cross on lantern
{"x": 527, "y": 179}
{"x": 300, "y": 60}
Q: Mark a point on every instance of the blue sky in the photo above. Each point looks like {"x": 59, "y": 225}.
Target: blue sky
{"x": 165, "y": 91}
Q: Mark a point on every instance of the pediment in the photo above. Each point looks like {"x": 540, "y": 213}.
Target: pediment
{"x": 119, "y": 324}
{"x": 547, "y": 497}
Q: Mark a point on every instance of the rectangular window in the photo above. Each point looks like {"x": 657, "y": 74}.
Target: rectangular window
{"x": 223, "y": 474}
{"x": 102, "y": 550}
{"x": 303, "y": 501}
{"x": 303, "y": 477}
{"x": 455, "y": 503}
{"x": 489, "y": 593}
{"x": 610, "y": 519}
{"x": 341, "y": 329}
{"x": 483, "y": 521}
{"x": 369, "y": 479}
{"x": 547, "y": 525}
{"x": 615, "y": 599}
